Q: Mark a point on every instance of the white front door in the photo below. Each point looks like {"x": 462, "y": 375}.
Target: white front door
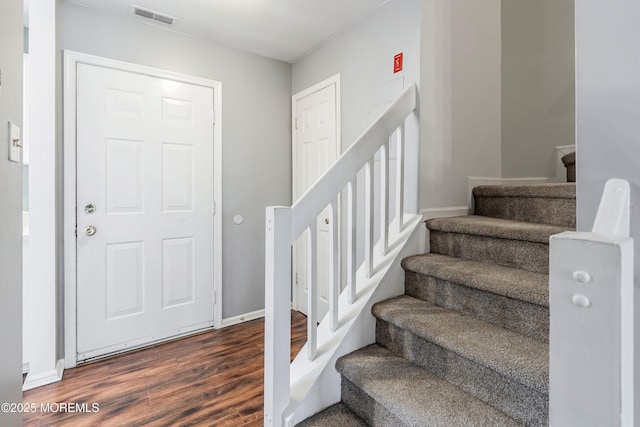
{"x": 144, "y": 209}
{"x": 315, "y": 150}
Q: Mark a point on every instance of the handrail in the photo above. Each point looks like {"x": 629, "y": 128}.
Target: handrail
{"x": 284, "y": 225}
{"x": 321, "y": 193}
{"x": 591, "y": 299}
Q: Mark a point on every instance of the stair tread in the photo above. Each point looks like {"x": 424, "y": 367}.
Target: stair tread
{"x": 547, "y": 190}
{"x": 496, "y": 227}
{"x": 506, "y": 281}
{"x": 335, "y": 415}
{"x": 412, "y": 394}
{"x": 509, "y": 353}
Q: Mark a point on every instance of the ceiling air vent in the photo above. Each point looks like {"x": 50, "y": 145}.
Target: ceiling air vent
{"x": 150, "y": 14}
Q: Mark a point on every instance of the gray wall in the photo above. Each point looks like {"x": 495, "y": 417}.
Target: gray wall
{"x": 11, "y": 47}
{"x": 256, "y": 128}
{"x": 538, "y": 96}
{"x": 608, "y": 108}
{"x": 363, "y": 55}
{"x": 460, "y": 133}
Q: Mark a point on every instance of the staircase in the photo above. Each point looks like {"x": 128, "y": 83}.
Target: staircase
{"x": 467, "y": 344}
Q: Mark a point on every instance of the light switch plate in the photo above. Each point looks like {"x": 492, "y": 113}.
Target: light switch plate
{"x": 15, "y": 143}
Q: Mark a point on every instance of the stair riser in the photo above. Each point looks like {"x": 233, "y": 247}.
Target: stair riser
{"x": 561, "y": 212}
{"x": 530, "y": 256}
{"x": 366, "y": 407}
{"x": 520, "y": 316}
{"x": 571, "y": 173}
{"x": 513, "y": 398}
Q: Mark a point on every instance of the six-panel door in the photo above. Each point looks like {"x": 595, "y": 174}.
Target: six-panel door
{"x": 145, "y": 185}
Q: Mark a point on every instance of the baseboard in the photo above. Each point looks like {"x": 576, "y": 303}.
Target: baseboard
{"x": 25, "y": 368}
{"x": 444, "y": 212}
{"x": 45, "y": 378}
{"x": 474, "y": 181}
{"x": 230, "y": 321}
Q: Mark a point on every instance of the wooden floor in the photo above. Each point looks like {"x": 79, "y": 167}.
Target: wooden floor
{"x": 211, "y": 379}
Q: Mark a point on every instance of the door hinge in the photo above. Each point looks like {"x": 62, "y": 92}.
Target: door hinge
{"x": 213, "y": 207}
{"x": 213, "y": 297}
{"x": 297, "y": 279}
{"x": 296, "y": 124}
{"x": 214, "y": 117}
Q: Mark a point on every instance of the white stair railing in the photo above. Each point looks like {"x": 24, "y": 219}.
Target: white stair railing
{"x": 284, "y": 225}
{"x": 591, "y": 331}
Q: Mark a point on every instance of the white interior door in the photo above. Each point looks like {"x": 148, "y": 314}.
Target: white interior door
{"x": 315, "y": 150}
{"x": 145, "y": 187}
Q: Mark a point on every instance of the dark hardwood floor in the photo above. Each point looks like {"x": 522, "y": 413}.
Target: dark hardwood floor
{"x": 211, "y": 379}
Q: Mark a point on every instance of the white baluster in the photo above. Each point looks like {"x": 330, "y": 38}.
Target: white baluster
{"x": 312, "y": 290}
{"x": 351, "y": 242}
{"x": 368, "y": 218}
{"x": 400, "y": 178}
{"x": 334, "y": 266}
{"x": 384, "y": 197}
{"x": 277, "y": 313}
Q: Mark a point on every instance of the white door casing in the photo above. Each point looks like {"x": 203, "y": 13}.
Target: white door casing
{"x": 316, "y": 146}
{"x": 146, "y": 146}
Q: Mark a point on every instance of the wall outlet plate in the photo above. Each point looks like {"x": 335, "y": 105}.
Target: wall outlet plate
{"x": 15, "y": 143}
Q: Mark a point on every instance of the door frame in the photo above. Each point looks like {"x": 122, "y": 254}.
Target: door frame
{"x": 71, "y": 60}
{"x": 331, "y": 81}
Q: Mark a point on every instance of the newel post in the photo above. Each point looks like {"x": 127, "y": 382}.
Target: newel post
{"x": 277, "y": 314}
{"x": 591, "y": 332}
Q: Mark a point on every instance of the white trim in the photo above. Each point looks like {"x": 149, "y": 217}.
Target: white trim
{"x": 333, "y": 80}
{"x": 480, "y": 180}
{"x": 235, "y": 320}
{"x": 444, "y": 212}
{"x": 45, "y": 378}
{"x": 71, "y": 59}
{"x": 25, "y": 368}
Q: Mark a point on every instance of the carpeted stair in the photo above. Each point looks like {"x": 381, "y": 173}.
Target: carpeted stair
{"x": 467, "y": 345}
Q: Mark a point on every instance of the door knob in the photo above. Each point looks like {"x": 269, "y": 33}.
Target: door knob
{"x": 90, "y": 208}
{"x": 326, "y": 220}
{"x": 90, "y": 230}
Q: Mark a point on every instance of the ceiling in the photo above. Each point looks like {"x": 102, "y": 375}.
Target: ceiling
{"x": 280, "y": 29}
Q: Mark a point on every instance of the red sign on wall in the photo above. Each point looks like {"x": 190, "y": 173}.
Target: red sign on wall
{"x": 397, "y": 63}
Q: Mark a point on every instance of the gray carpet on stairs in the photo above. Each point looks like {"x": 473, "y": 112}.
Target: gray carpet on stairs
{"x": 512, "y": 298}
{"x": 495, "y": 227}
{"x": 387, "y": 390}
{"x": 569, "y": 161}
{"x": 538, "y": 203}
{"x": 511, "y": 354}
{"x": 504, "y": 242}
{"x": 337, "y": 415}
{"x": 509, "y": 282}
{"x": 467, "y": 345}
{"x": 505, "y": 369}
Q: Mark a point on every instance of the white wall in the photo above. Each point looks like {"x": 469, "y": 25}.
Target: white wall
{"x": 608, "y": 108}
{"x": 39, "y": 331}
{"x": 538, "y": 96}
{"x": 11, "y": 47}
{"x": 256, "y": 145}
{"x": 460, "y": 98}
